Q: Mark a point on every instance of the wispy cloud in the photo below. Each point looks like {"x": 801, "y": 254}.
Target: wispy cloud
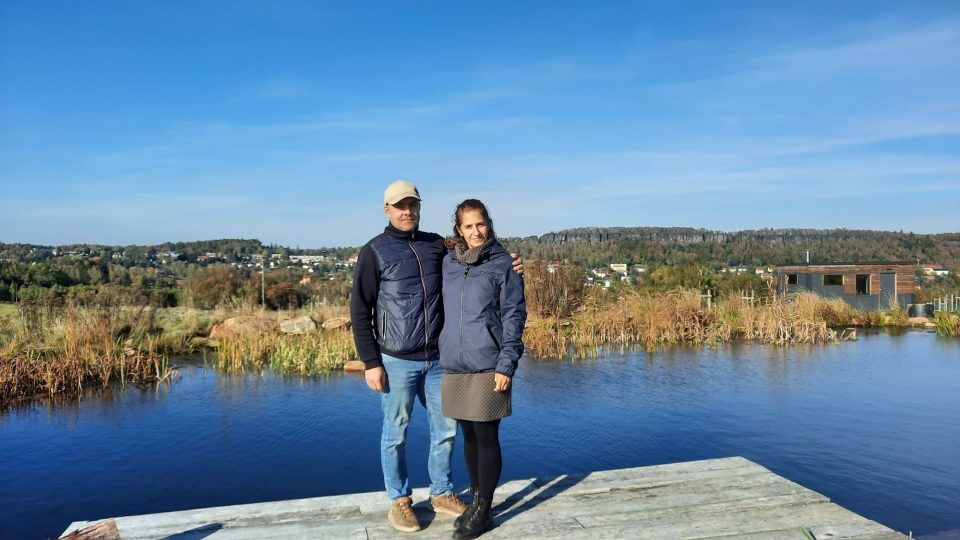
{"x": 879, "y": 48}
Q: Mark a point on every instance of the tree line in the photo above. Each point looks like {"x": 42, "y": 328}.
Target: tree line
{"x": 674, "y": 257}
{"x": 657, "y": 246}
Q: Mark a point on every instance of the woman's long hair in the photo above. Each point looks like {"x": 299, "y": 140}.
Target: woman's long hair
{"x": 470, "y": 204}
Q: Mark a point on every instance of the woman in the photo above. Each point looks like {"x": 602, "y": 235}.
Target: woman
{"x": 480, "y": 346}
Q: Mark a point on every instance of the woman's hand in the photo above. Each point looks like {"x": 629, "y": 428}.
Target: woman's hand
{"x": 500, "y": 382}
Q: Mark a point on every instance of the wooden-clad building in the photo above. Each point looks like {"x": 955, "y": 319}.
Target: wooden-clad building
{"x": 863, "y": 285}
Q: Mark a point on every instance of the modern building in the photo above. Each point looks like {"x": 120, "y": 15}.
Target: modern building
{"x": 864, "y": 285}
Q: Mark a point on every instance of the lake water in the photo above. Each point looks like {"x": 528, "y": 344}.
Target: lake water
{"x": 873, "y": 424}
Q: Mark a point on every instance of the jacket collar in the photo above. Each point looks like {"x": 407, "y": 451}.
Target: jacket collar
{"x": 489, "y": 250}
{"x": 397, "y": 234}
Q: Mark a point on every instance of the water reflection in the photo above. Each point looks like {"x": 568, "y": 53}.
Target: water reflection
{"x": 872, "y": 424}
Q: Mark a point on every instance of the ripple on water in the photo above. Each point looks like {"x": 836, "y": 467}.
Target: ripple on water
{"x": 872, "y": 424}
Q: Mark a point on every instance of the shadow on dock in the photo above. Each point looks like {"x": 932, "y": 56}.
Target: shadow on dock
{"x": 548, "y": 487}
{"x": 196, "y": 533}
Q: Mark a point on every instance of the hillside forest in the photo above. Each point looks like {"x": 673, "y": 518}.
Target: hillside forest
{"x": 210, "y": 273}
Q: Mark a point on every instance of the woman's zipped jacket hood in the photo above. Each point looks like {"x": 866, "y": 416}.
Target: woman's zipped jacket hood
{"x": 484, "y": 311}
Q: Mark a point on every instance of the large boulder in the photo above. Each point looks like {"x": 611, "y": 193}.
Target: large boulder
{"x": 243, "y": 325}
{"x": 336, "y": 322}
{"x": 299, "y": 325}
{"x": 354, "y": 366}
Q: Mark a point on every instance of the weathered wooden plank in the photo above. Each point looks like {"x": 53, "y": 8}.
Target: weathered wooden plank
{"x": 709, "y": 499}
{"x": 634, "y": 479}
{"x": 660, "y": 498}
{"x": 594, "y": 516}
{"x": 281, "y": 531}
{"x": 693, "y": 523}
{"x": 850, "y": 531}
{"x": 377, "y": 502}
{"x": 169, "y": 523}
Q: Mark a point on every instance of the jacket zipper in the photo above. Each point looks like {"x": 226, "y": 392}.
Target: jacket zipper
{"x": 426, "y": 317}
{"x": 464, "y": 286}
{"x": 383, "y": 326}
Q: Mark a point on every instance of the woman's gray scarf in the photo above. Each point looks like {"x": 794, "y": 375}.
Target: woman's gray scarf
{"x": 472, "y": 255}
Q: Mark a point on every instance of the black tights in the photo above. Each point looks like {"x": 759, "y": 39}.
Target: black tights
{"x": 481, "y": 449}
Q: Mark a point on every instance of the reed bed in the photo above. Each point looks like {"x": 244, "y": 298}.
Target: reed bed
{"x": 678, "y": 317}
{"x": 46, "y": 350}
{"x": 305, "y": 355}
{"x": 946, "y": 324}
{"x": 313, "y": 354}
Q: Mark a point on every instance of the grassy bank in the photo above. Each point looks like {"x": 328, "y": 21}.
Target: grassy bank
{"x": 303, "y": 355}
{"x": 947, "y": 324}
{"x": 62, "y": 349}
{"x": 7, "y": 311}
{"x": 679, "y": 318}
{"x": 47, "y": 350}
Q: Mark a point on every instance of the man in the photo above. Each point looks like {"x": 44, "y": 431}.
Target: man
{"x": 397, "y": 314}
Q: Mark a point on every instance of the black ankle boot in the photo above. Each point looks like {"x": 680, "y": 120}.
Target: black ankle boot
{"x": 474, "y": 494}
{"x": 477, "y": 523}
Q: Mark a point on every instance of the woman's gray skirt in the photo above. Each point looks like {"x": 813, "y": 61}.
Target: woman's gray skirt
{"x": 470, "y": 396}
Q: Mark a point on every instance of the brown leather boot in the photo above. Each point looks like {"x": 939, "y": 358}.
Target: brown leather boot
{"x": 401, "y": 515}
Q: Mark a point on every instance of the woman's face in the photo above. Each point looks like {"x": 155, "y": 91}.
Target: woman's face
{"x": 473, "y": 228}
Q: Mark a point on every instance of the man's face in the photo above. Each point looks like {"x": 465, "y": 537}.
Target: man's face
{"x": 405, "y": 214}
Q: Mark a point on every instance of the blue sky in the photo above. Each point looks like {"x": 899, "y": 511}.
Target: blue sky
{"x": 140, "y": 122}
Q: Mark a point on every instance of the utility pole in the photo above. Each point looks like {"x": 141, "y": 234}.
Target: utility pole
{"x": 263, "y": 281}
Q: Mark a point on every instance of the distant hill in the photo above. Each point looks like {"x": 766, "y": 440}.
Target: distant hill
{"x": 592, "y": 246}
{"x": 596, "y": 246}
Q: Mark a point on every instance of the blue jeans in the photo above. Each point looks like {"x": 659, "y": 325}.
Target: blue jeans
{"x": 407, "y": 379}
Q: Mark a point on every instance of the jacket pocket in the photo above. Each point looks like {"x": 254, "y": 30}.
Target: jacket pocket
{"x": 493, "y": 336}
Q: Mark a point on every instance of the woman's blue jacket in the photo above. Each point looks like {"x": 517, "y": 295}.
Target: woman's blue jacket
{"x": 484, "y": 313}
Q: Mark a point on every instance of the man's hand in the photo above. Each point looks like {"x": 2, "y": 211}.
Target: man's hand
{"x": 517, "y": 263}
{"x": 376, "y": 378}
{"x": 501, "y": 382}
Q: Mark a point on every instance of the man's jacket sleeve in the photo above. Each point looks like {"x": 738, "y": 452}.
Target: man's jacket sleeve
{"x": 363, "y": 300}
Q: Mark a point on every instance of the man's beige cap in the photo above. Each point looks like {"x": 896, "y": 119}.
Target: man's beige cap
{"x": 400, "y": 190}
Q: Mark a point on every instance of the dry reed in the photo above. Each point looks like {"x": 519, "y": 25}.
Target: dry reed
{"x": 637, "y": 319}
{"x": 308, "y": 354}
{"x": 52, "y": 349}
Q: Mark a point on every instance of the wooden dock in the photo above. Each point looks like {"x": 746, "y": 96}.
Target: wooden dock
{"x": 718, "y": 498}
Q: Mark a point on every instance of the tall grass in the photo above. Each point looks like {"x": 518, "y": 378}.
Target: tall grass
{"x": 304, "y": 355}
{"x": 56, "y": 348}
{"x": 184, "y": 329}
{"x": 308, "y": 354}
{"x": 946, "y": 324}
{"x": 678, "y": 317}
{"x": 312, "y": 354}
